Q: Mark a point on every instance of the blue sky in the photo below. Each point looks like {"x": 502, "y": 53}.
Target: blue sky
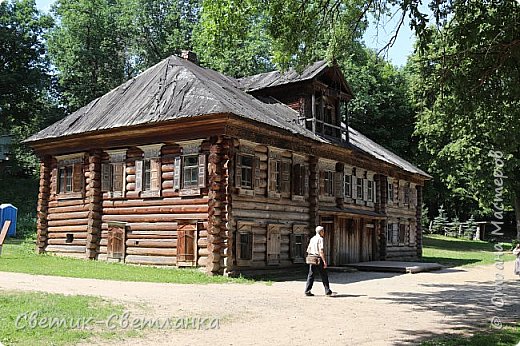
{"x": 374, "y": 38}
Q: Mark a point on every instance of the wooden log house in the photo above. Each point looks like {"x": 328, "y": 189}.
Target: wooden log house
{"x": 183, "y": 166}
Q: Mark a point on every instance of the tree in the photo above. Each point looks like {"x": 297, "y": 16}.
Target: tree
{"x": 440, "y": 221}
{"x": 160, "y": 28}
{"x": 381, "y": 109}
{"x": 467, "y": 88}
{"x": 89, "y": 48}
{"x": 232, "y": 38}
{"x": 27, "y": 97}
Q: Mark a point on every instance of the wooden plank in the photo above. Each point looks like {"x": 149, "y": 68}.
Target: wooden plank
{"x": 152, "y": 202}
{"x": 151, "y": 251}
{"x": 154, "y": 217}
{"x": 65, "y": 248}
{"x": 151, "y": 260}
{"x": 71, "y": 222}
{"x": 157, "y": 210}
{"x": 66, "y": 216}
{"x": 3, "y": 232}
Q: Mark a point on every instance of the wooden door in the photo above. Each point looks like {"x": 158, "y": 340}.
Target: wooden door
{"x": 274, "y": 239}
{"x": 116, "y": 242}
{"x": 186, "y": 244}
{"x": 328, "y": 239}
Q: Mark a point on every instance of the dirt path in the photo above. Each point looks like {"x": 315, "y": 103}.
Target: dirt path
{"x": 370, "y": 308}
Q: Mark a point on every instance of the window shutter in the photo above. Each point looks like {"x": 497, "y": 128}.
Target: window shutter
{"x": 396, "y": 192}
{"x": 238, "y": 171}
{"x": 365, "y": 189}
{"x": 322, "y": 182}
{"x": 202, "y": 170}
{"x": 56, "y": 186}
{"x": 305, "y": 172}
{"x": 395, "y": 231}
{"x": 286, "y": 177}
{"x": 374, "y": 191}
{"x": 118, "y": 174}
{"x": 138, "y": 175}
{"x": 177, "y": 173}
{"x": 256, "y": 171}
{"x": 292, "y": 249}
{"x": 273, "y": 245}
{"x": 338, "y": 184}
{"x": 77, "y": 177}
{"x": 155, "y": 174}
{"x": 106, "y": 179}
{"x": 272, "y": 175}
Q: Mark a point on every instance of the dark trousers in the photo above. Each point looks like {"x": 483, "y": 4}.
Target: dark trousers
{"x": 313, "y": 269}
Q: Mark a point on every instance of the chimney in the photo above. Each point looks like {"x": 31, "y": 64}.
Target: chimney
{"x": 190, "y": 56}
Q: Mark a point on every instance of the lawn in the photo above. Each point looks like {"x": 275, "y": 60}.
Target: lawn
{"x": 507, "y": 336}
{"x": 59, "y": 317}
{"x": 20, "y": 257}
{"x": 458, "y": 252}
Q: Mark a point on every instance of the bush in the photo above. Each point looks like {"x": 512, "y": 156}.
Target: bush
{"x": 26, "y": 226}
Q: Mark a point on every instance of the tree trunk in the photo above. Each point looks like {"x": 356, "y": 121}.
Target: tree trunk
{"x": 517, "y": 213}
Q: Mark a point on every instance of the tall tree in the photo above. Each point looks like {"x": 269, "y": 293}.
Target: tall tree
{"x": 89, "y": 48}
{"x": 467, "y": 87}
{"x": 27, "y": 99}
{"x": 231, "y": 37}
{"x": 162, "y": 28}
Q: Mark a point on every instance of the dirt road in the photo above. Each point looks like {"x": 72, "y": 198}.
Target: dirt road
{"x": 369, "y": 308}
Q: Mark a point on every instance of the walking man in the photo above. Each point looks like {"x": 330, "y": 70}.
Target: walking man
{"x": 317, "y": 262}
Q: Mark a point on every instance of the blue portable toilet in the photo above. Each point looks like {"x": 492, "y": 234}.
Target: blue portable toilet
{"x": 8, "y": 212}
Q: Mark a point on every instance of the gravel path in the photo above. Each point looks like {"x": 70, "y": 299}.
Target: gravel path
{"x": 369, "y": 308}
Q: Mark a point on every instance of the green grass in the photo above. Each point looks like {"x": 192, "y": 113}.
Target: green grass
{"x": 507, "y": 336}
{"x": 16, "y": 327}
{"x": 20, "y": 257}
{"x": 459, "y": 252}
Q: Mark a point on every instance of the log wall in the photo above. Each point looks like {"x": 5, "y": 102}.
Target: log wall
{"x": 68, "y": 218}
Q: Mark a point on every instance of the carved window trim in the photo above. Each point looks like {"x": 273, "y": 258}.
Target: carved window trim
{"x": 71, "y": 165}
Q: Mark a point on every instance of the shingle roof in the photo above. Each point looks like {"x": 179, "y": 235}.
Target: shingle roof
{"x": 176, "y": 88}
{"x": 275, "y": 78}
{"x": 373, "y": 149}
{"x": 172, "y": 89}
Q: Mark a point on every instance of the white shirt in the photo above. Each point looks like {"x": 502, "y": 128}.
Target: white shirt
{"x": 315, "y": 245}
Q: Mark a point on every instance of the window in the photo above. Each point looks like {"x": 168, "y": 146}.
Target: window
{"x": 348, "y": 186}
{"x": 275, "y": 176}
{"x": 112, "y": 176}
{"x": 246, "y": 168}
{"x": 328, "y": 183}
{"x": 359, "y": 185}
{"x": 370, "y": 188}
{"x": 300, "y": 180}
{"x": 404, "y": 232}
{"x": 390, "y": 191}
{"x": 285, "y": 178}
{"x": 147, "y": 174}
{"x": 70, "y": 177}
{"x": 65, "y": 181}
{"x": 389, "y": 233}
{"x": 245, "y": 243}
{"x": 278, "y": 174}
{"x": 407, "y": 194}
{"x": 190, "y": 171}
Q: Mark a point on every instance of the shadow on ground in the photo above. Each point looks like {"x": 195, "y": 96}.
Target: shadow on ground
{"x": 465, "y": 307}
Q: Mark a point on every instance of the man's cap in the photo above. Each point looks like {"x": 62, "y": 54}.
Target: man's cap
{"x": 319, "y": 229}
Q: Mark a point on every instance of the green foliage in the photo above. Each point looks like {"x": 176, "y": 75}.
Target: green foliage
{"x": 20, "y": 258}
{"x": 425, "y": 221}
{"x": 160, "y": 28}
{"x": 27, "y": 94}
{"x": 466, "y": 87}
{"x": 381, "y": 109}
{"x": 89, "y": 48}
{"x": 232, "y": 38}
{"x": 52, "y": 306}
{"x": 440, "y": 221}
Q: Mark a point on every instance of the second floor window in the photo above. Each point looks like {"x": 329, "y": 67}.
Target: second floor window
{"x": 359, "y": 188}
{"x": 348, "y": 186}
{"x": 328, "y": 183}
{"x": 370, "y": 191}
{"x": 65, "y": 181}
{"x": 246, "y": 167}
{"x": 390, "y": 192}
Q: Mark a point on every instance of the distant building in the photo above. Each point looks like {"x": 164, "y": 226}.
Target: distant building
{"x": 5, "y": 147}
{"x": 184, "y": 166}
